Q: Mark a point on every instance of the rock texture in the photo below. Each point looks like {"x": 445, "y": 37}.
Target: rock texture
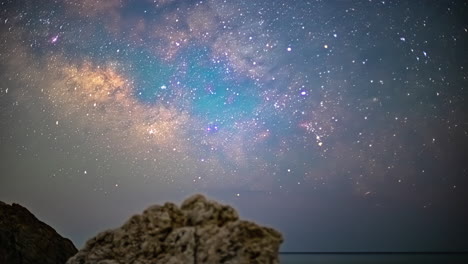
{"x": 199, "y": 232}
{"x": 24, "y": 239}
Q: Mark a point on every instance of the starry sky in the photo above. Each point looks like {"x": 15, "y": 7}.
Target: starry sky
{"x": 343, "y": 124}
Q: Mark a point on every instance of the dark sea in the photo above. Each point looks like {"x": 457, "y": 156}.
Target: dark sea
{"x": 368, "y": 258}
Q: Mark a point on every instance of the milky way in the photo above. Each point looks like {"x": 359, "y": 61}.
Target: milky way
{"x": 278, "y": 102}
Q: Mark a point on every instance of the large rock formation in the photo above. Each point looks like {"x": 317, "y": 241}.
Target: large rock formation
{"x": 199, "y": 232}
{"x": 24, "y": 239}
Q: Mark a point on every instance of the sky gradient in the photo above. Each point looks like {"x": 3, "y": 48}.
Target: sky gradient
{"x": 343, "y": 124}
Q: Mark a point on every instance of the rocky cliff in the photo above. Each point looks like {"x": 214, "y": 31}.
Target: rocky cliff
{"x": 24, "y": 239}
{"x": 199, "y": 232}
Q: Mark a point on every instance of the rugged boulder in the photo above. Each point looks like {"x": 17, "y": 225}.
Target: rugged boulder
{"x": 24, "y": 239}
{"x": 199, "y": 232}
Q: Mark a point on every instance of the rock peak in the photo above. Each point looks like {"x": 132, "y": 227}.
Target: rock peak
{"x": 24, "y": 239}
{"x": 200, "y": 211}
{"x": 200, "y": 231}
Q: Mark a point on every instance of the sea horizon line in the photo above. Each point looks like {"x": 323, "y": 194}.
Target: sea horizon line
{"x": 375, "y": 252}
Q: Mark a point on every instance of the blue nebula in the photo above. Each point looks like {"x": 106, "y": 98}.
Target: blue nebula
{"x": 219, "y": 95}
{"x": 211, "y": 89}
{"x": 152, "y": 77}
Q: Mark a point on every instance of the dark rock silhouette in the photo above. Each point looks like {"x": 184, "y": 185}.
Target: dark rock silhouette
{"x": 199, "y": 232}
{"x": 24, "y": 239}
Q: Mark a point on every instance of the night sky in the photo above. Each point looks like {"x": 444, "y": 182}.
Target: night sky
{"x": 343, "y": 124}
